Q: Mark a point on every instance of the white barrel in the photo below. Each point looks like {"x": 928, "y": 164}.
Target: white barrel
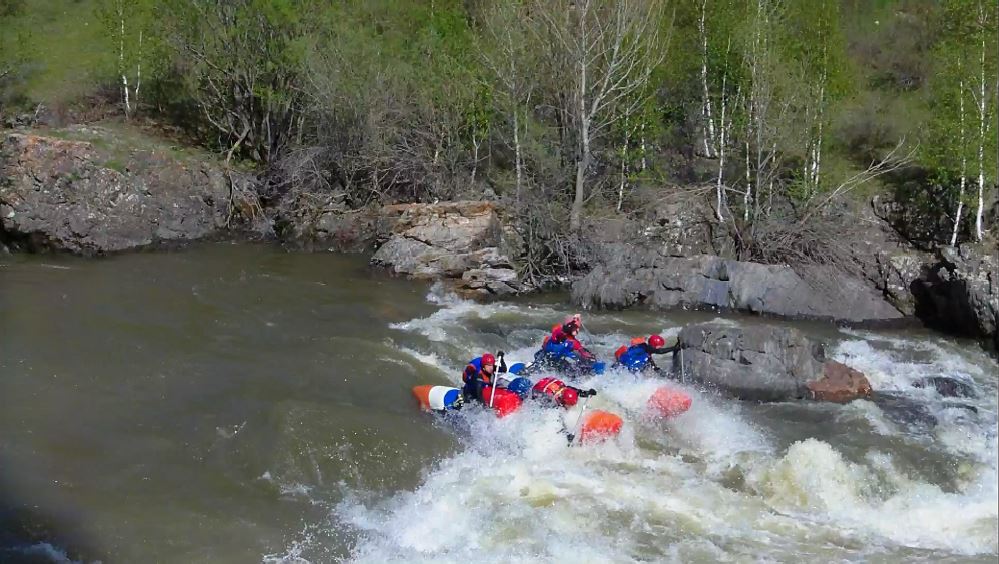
{"x": 442, "y": 397}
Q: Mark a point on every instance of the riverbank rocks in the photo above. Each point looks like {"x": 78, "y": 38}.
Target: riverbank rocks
{"x": 461, "y": 242}
{"x": 87, "y": 190}
{"x": 958, "y": 292}
{"x": 630, "y": 276}
{"x": 764, "y": 363}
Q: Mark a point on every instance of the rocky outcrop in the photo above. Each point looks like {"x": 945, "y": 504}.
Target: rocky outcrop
{"x": 958, "y": 292}
{"x": 898, "y": 270}
{"x": 630, "y": 276}
{"x": 462, "y": 242}
{"x": 87, "y": 194}
{"x": 764, "y": 363}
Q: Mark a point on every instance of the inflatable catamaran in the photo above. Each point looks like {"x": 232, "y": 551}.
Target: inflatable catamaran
{"x": 593, "y": 425}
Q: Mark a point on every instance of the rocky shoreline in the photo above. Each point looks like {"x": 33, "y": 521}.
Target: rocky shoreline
{"x": 82, "y": 190}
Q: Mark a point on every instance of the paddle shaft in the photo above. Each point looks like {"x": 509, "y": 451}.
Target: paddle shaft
{"x": 579, "y": 420}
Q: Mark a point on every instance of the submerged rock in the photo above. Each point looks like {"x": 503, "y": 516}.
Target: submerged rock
{"x": 947, "y": 387}
{"x": 90, "y": 194}
{"x": 906, "y": 411}
{"x": 764, "y": 363}
{"x": 642, "y": 276}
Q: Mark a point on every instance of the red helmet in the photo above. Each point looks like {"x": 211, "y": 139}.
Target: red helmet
{"x": 569, "y": 397}
{"x": 657, "y": 341}
{"x": 488, "y": 359}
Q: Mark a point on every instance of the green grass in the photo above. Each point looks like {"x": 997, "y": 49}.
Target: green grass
{"x": 118, "y": 141}
{"x": 65, "y": 43}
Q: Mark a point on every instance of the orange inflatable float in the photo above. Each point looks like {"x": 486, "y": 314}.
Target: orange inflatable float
{"x": 669, "y": 402}
{"x": 598, "y": 426}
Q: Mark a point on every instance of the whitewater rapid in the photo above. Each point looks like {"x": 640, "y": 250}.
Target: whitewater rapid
{"x": 725, "y": 481}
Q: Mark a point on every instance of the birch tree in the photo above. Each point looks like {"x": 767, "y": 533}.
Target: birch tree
{"x": 509, "y": 56}
{"x": 985, "y": 99}
{"x": 129, "y": 25}
{"x": 606, "y": 50}
{"x": 962, "y": 104}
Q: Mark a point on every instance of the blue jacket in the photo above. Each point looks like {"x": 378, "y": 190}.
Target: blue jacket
{"x": 636, "y": 358}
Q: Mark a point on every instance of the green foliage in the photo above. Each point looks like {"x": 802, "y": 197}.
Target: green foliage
{"x": 411, "y": 100}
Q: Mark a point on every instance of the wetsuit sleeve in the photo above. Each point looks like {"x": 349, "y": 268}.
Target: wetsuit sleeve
{"x": 558, "y": 335}
{"x": 469, "y": 374}
{"x": 502, "y": 365}
{"x": 649, "y": 350}
{"x": 584, "y": 393}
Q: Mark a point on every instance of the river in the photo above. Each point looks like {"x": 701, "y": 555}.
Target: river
{"x": 237, "y": 403}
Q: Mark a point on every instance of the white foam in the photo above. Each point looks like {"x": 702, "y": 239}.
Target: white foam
{"x": 814, "y": 479}
{"x": 707, "y": 485}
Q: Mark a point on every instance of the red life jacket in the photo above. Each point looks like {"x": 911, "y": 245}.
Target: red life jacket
{"x": 550, "y": 388}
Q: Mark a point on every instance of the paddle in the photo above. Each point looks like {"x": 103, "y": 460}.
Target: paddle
{"x": 495, "y": 379}
{"x": 579, "y": 420}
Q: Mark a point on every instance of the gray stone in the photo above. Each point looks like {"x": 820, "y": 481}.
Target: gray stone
{"x": 645, "y": 277}
{"x": 959, "y": 292}
{"x": 947, "y": 387}
{"x": 463, "y": 242}
{"x": 898, "y": 271}
{"x": 64, "y": 195}
{"x": 760, "y": 363}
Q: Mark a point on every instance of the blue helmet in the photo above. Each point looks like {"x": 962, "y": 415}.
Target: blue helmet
{"x": 520, "y": 386}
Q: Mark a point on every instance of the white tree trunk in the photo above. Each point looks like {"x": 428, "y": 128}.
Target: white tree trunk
{"x": 719, "y": 190}
{"x": 964, "y": 169}
{"x": 475, "y": 156}
{"x": 709, "y": 127}
{"x": 121, "y": 57}
{"x": 644, "y": 165}
{"x": 624, "y": 167}
{"x": 979, "y": 228}
{"x": 576, "y": 213}
{"x": 138, "y": 72}
{"x": 749, "y": 187}
{"x": 516, "y": 148}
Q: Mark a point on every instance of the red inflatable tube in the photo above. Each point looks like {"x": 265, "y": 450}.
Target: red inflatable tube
{"x": 669, "y": 402}
{"x": 505, "y": 402}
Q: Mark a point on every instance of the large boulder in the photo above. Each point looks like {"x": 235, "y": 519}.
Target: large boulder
{"x": 84, "y": 191}
{"x": 839, "y": 383}
{"x": 764, "y": 363}
{"x": 462, "y": 242}
{"x": 958, "y": 292}
{"x": 644, "y": 276}
{"x": 898, "y": 271}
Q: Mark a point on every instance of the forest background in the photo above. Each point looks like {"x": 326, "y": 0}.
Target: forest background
{"x": 786, "y": 119}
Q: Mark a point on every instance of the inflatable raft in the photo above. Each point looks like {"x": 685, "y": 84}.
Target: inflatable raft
{"x": 446, "y": 398}
{"x": 595, "y": 425}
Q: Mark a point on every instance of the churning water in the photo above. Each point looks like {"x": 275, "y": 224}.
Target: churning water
{"x": 236, "y": 403}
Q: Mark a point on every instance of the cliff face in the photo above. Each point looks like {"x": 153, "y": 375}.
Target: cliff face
{"x": 87, "y": 191}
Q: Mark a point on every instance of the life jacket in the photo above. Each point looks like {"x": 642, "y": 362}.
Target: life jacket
{"x": 634, "y": 358}
{"x": 620, "y": 350}
{"x": 559, "y": 350}
{"x": 550, "y": 389}
{"x": 476, "y": 365}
